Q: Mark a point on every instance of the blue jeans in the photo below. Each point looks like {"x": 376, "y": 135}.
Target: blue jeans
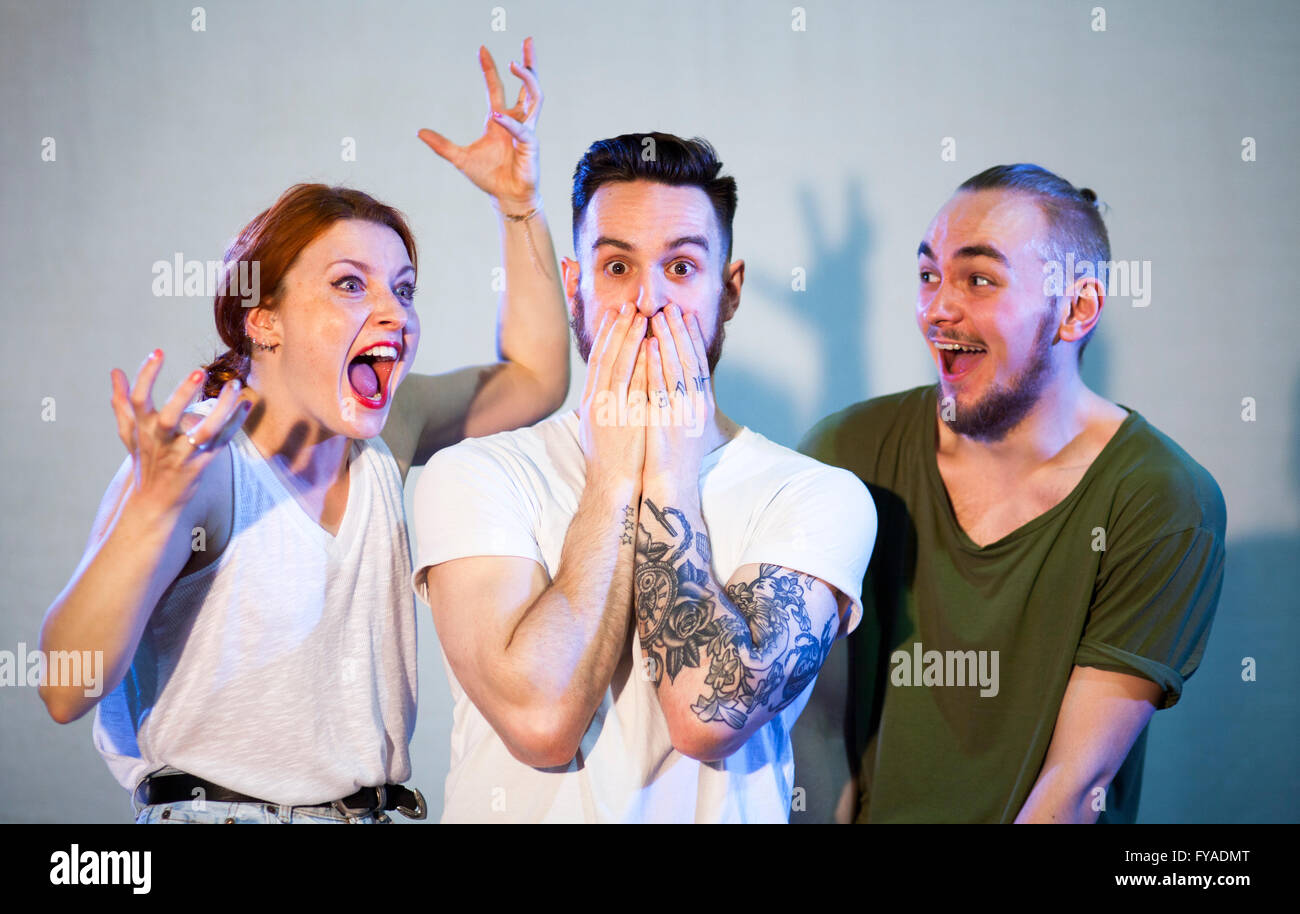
{"x": 185, "y": 813}
{"x": 248, "y": 814}
{"x": 199, "y": 811}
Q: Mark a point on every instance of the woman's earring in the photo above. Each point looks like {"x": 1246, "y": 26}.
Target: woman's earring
{"x": 265, "y": 348}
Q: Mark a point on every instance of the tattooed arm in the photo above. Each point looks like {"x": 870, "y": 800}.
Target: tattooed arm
{"x": 725, "y": 660}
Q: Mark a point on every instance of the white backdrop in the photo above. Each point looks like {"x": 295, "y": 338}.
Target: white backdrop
{"x": 169, "y": 140}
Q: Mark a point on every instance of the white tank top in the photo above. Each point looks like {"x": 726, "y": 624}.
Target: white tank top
{"x": 285, "y": 670}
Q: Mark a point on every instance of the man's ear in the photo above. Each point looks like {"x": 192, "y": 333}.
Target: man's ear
{"x": 732, "y": 279}
{"x": 1086, "y": 302}
{"x": 572, "y": 275}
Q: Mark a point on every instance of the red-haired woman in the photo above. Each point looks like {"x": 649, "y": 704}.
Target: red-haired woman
{"x": 247, "y": 579}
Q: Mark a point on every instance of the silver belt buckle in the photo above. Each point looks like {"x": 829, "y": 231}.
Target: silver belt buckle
{"x": 420, "y": 811}
{"x": 352, "y": 814}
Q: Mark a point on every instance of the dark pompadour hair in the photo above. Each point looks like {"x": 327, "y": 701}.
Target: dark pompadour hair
{"x": 658, "y": 157}
{"x": 1073, "y": 214}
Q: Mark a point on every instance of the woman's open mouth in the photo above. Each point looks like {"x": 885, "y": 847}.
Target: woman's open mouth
{"x": 369, "y": 373}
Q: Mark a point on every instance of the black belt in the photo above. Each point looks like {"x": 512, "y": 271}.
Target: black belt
{"x": 178, "y": 788}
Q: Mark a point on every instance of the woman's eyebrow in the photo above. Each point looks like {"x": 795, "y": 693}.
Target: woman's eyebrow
{"x": 363, "y": 267}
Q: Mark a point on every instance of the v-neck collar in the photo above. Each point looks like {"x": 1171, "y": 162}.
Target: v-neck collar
{"x": 941, "y": 491}
{"x": 296, "y": 512}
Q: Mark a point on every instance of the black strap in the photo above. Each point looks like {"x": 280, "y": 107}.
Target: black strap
{"x": 178, "y": 788}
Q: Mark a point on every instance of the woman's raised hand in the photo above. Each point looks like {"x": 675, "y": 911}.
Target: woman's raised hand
{"x": 167, "y": 454}
{"x": 504, "y": 161}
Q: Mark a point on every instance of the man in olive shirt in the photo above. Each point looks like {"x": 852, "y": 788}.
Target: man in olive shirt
{"x": 1047, "y": 564}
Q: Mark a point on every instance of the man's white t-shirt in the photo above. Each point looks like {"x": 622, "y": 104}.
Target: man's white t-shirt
{"x": 514, "y": 494}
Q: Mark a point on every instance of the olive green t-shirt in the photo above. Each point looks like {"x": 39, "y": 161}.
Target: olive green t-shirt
{"x": 958, "y": 682}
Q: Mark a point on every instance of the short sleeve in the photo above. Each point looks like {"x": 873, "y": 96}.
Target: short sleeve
{"x": 821, "y": 522}
{"x": 470, "y": 501}
{"x": 1153, "y": 607}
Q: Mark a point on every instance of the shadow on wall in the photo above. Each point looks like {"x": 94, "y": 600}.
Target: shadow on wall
{"x": 1227, "y": 751}
{"x": 833, "y": 306}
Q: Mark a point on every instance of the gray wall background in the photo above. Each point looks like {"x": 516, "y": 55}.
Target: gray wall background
{"x": 170, "y": 140}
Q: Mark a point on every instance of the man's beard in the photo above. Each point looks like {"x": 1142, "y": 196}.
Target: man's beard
{"x": 1002, "y": 408}
{"x": 713, "y": 347}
